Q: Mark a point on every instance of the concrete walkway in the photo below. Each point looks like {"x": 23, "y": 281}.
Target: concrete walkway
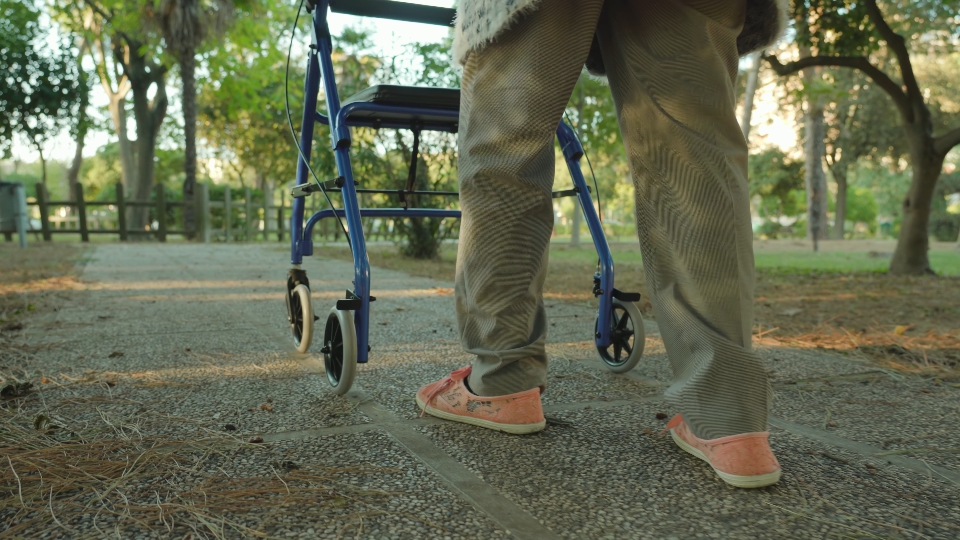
{"x": 193, "y": 338}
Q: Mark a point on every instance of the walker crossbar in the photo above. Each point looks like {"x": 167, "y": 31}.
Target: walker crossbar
{"x": 346, "y": 334}
{"x": 306, "y": 243}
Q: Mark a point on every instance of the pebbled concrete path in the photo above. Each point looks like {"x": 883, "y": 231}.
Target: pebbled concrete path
{"x": 866, "y": 453}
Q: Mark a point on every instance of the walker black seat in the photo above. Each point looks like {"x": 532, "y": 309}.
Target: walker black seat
{"x": 411, "y": 97}
{"x": 398, "y": 11}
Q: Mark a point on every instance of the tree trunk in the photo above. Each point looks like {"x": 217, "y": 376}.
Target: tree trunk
{"x": 910, "y": 256}
{"x": 118, "y": 112}
{"x": 187, "y": 74}
{"x": 148, "y": 115}
{"x": 753, "y": 77}
{"x": 840, "y": 175}
{"x": 73, "y": 173}
{"x": 814, "y": 149}
{"x": 43, "y": 167}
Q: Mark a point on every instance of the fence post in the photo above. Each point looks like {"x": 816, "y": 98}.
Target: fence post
{"x": 81, "y": 212}
{"x": 121, "y": 212}
{"x": 202, "y": 215}
{"x": 161, "y": 214}
{"x": 247, "y": 212}
{"x": 44, "y": 212}
{"x": 227, "y": 225}
{"x": 266, "y": 216}
{"x": 283, "y": 203}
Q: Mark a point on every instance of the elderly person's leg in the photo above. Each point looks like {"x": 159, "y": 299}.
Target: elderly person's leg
{"x": 672, "y": 66}
{"x": 514, "y": 93}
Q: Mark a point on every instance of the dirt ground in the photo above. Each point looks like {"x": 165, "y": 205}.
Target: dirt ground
{"x": 907, "y": 323}
{"x": 31, "y": 281}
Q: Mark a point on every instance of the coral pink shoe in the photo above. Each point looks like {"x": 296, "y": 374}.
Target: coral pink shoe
{"x": 449, "y": 399}
{"x": 744, "y": 461}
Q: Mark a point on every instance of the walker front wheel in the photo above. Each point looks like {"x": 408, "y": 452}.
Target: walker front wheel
{"x": 301, "y": 317}
{"x": 340, "y": 350}
{"x": 626, "y": 338}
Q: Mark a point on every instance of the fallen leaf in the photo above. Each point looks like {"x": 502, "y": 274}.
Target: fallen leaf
{"x": 111, "y": 384}
{"x": 256, "y": 440}
{"x": 269, "y": 400}
{"x": 16, "y": 389}
{"x": 900, "y": 329}
{"x": 44, "y": 381}
{"x": 661, "y": 416}
{"x": 43, "y": 422}
{"x": 13, "y": 327}
{"x": 267, "y": 407}
{"x": 230, "y": 427}
{"x": 399, "y": 309}
{"x": 115, "y": 354}
{"x": 648, "y": 432}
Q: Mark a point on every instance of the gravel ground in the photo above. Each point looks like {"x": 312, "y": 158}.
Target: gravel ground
{"x": 188, "y": 343}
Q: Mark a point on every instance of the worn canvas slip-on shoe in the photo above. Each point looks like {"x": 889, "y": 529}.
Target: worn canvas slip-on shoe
{"x": 448, "y": 398}
{"x": 744, "y": 461}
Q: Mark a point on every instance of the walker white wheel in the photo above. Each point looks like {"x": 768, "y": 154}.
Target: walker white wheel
{"x": 626, "y": 338}
{"x": 340, "y": 350}
{"x": 301, "y": 317}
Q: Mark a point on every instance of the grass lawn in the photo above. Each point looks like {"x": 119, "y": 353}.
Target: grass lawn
{"x": 794, "y": 257}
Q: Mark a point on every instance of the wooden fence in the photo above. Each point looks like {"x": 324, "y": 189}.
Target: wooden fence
{"x": 243, "y": 220}
{"x": 74, "y": 216}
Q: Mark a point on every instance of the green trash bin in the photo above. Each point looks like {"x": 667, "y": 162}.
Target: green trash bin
{"x": 13, "y": 210}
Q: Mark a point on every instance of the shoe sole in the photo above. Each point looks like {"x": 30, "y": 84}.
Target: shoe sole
{"x": 515, "y": 429}
{"x": 736, "y": 480}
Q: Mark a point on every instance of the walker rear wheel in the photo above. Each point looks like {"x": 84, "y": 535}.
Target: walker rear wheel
{"x": 340, "y": 350}
{"x": 626, "y": 338}
{"x": 301, "y": 317}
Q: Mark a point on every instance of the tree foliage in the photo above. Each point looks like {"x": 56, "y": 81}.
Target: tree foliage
{"x": 777, "y": 181}
{"x": 40, "y": 87}
{"x": 880, "y": 40}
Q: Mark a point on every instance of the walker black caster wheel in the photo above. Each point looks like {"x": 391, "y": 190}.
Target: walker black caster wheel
{"x": 301, "y": 317}
{"x": 340, "y": 350}
{"x": 626, "y": 338}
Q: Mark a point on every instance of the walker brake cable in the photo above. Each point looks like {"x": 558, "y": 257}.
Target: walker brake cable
{"x": 590, "y": 165}
{"x": 293, "y": 133}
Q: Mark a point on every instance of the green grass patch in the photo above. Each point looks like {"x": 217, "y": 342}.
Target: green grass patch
{"x": 945, "y": 262}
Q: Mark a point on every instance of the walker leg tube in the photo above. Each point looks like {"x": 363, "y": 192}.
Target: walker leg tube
{"x": 311, "y": 87}
{"x": 572, "y": 152}
{"x": 358, "y": 246}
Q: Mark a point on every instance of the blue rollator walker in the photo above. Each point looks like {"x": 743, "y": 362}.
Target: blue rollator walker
{"x": 619, "y": 329}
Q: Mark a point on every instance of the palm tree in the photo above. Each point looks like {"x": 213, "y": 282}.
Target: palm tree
{"x": 185, "y": 24}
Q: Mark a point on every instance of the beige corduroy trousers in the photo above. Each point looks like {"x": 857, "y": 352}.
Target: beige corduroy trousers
{"x": 672, "y": 66}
